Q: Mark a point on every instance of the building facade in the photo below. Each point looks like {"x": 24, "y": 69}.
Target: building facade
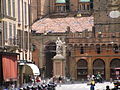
{"x": 53, "y": 8}
{"x": 23, "y": 28}
{"x": 14, "y": 37}
{"x": 8, "y": 55}
{"x": 15, "y": 26}
{"x": 106, "y": 15}
{"x": 85, "y": 54}
{"x": 87, "y": 51}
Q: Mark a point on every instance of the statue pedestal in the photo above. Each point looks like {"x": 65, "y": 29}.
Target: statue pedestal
{"x": 58, "y": 65}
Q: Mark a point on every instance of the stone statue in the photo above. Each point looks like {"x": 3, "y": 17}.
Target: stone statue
{"x": 59, "y": 46}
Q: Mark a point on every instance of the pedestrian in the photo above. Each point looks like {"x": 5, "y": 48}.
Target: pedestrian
{"x": 60, "y": 80}
{"x": 38, "y": 79}
{"x": 92, "y": 85}
{"x": 99, "y": 77}
{"x": 107, "y": 88}
{"x": 92, "y": 77}
{"x": 88, "y": 77}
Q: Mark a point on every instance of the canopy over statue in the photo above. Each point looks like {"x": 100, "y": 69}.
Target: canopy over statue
{"x": 59, "y": 46}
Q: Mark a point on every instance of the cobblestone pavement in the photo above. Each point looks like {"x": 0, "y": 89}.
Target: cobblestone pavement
{"x": 84, "y": 86}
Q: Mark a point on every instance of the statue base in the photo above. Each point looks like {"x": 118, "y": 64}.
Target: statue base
{"x": 58, "y": 65}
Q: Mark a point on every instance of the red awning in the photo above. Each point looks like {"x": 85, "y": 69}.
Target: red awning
{"x": 9, "y": 64}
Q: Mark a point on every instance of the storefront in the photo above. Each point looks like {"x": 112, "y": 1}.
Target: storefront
{"x": 27, "y": 70}
{"x": 8, "y": 67}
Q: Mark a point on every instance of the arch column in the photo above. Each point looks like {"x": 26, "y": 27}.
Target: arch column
{"x": 90, "y": 66}
{"x": 107, "y": 69}
{"x": 72, "y": 68}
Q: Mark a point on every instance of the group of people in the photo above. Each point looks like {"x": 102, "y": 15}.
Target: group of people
{"x": 96, "y": 78}
{"x": 92, "y": 79}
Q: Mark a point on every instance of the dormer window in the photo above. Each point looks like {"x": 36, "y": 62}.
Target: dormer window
{"x": 60, "y": 6}
{"x": 85, "y": 5}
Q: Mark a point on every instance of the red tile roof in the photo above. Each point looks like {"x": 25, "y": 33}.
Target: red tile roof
{"x": 60, "y": 24}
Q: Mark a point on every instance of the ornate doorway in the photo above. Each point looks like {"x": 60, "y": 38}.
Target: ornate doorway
{"x": 82, "y": 69}
{"x": 115, "y": 63}
{"x": 99, "y": 66}
{"x": 50, "y": 52}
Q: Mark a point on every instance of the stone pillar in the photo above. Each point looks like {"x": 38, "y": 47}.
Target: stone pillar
{"x": 90, "y": 66}
{"x": 107, "y": 70}
{"x": 58, "y": 65}
{"x": 74, "y": 5}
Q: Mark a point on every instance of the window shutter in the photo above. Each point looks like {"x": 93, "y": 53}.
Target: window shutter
{"x": 13, "y": 8}
{"x": 18, "y": 10}
{"x": 4, "y": 3}
{"x": 9, "y": 7}
{"x": 5, "y": 31}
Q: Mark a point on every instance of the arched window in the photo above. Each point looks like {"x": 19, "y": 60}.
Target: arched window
{"x": 82, "y": 69}
{"x": 115, "y": 63}
{"x": 50, "y": 52}
{"x": 82, "y": 50}
{"x": 103, "y": 48}
{"x": 98, "y": 49}
{"x": 115, "y": 48}
{"x": 99, "y": 66}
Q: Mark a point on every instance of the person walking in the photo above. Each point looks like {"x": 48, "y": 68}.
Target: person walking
{"x": 60, "y": 79}
{"x": 92, "y": 87}
{"x": 38, "y": 79}
{"x": 99, "y": 77}
{"x": 88, "y": 77}
{"x": 107, "y": 88}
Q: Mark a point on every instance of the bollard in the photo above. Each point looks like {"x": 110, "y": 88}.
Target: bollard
{"x": 111, "y": 80}
{"x": 82, "y": 80}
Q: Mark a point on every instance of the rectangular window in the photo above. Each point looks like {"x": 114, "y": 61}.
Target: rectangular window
{"x": 20, "y": 38}
{"x": 83, "y": 6}
{"x": 88, "y": 7}
{"x": 5, "y": 31}
{"x": 80, "y": 7}
{"x": 13, "y": 8}
{"x": 14, "y": 26}
{"x": 0, "y": 7}
{"x": 18, "y": 10}
{"x": 26, "y": 40}
{"x": 4, "y": 3}
{"x": 81, "y": 50}
{"x": 10, "y": 30}
{"x": 25, "y": 5}
{"x": 15, "y": 38}
{"x": 9, "y": 7}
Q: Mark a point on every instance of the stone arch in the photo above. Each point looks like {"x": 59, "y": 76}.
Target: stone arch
{"x": 115, "y": 63}
{"x": 49, "y": 53}
{"x": 99, "y": 66}
{"x": 82, "y": 69}
{"x": 76, "y": 46}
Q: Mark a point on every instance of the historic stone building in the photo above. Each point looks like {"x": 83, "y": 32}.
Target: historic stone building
{"x": 89, "y": 48}
{"x": 59, "y": 8}
{"x": 14, "y": 38}
{"x": 106, "y": 15}
{"x": 45, "y": 33}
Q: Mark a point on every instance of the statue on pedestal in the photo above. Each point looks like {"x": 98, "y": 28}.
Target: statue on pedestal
{"x": 59, "y": 46}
